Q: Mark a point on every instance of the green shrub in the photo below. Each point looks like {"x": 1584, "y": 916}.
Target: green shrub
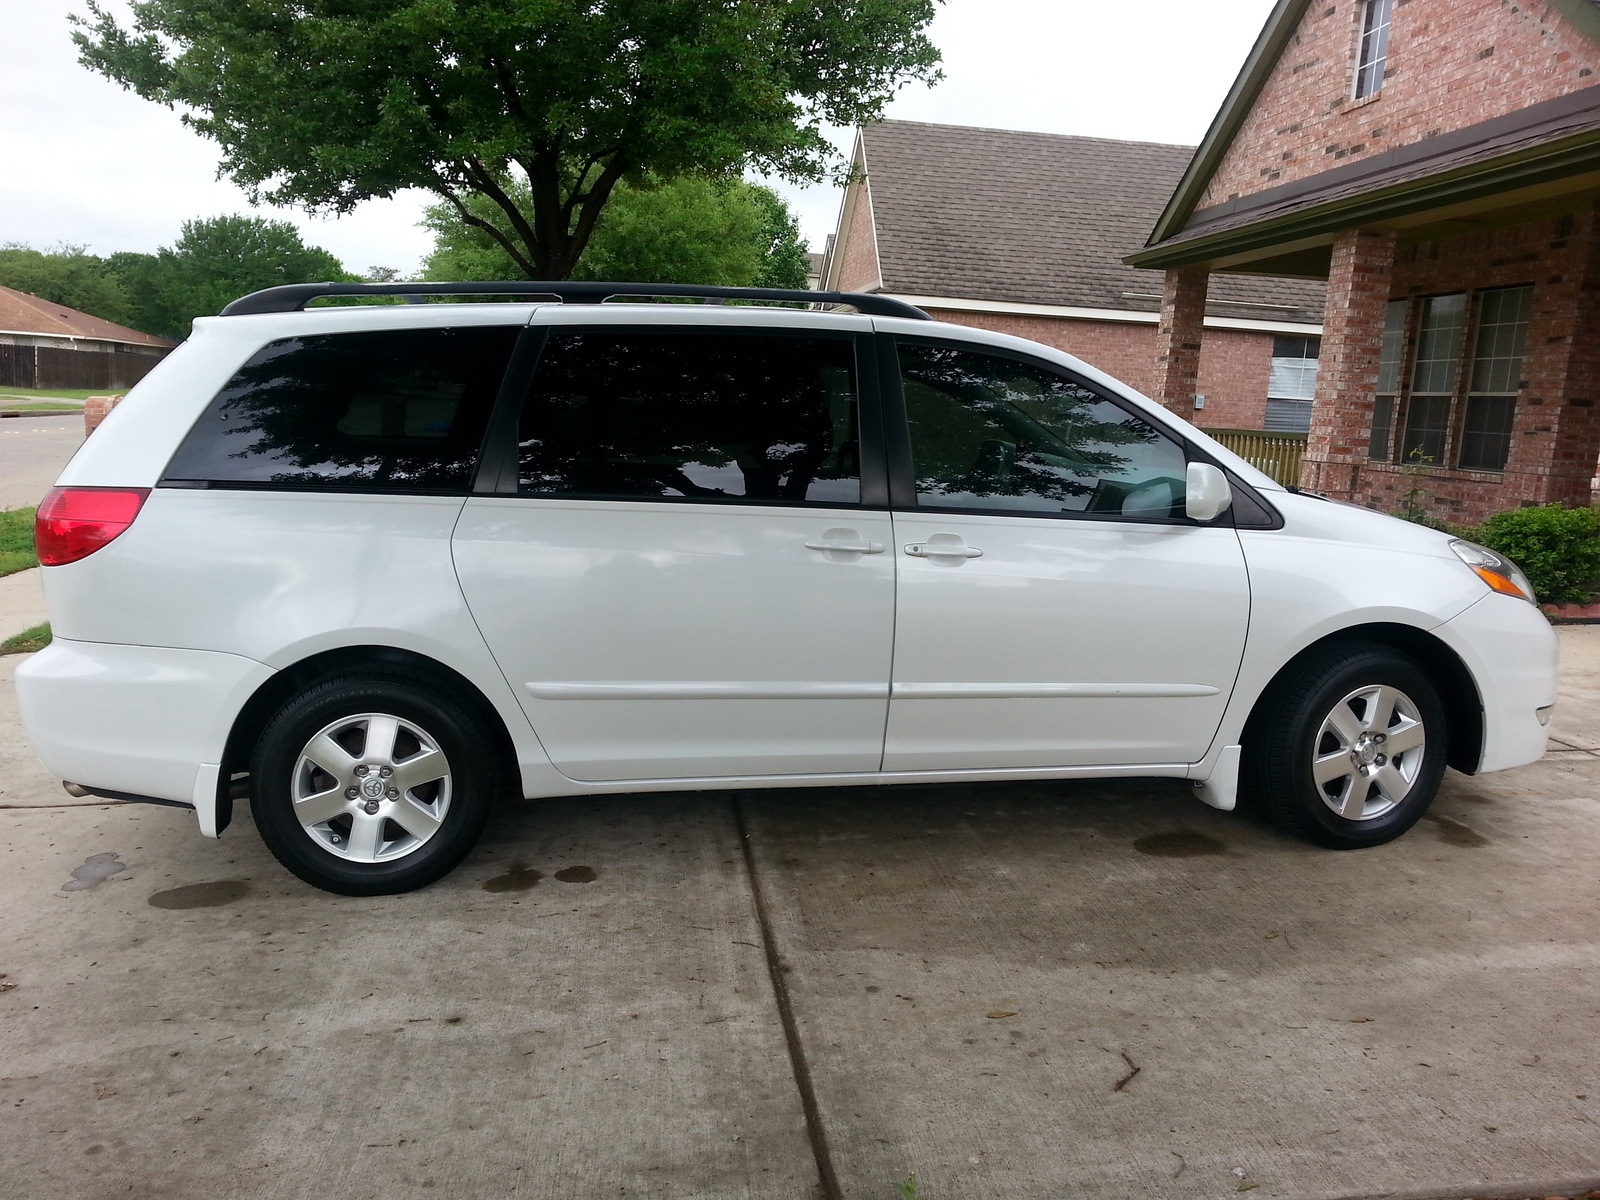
{"x": 1559, "y": 548}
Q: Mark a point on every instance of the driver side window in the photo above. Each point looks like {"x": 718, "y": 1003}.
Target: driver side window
{"x": 994, "y": 434}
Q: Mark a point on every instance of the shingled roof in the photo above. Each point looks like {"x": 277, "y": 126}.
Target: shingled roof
{"x": 1038, "y": 218}
{"x": 26, "y": 314}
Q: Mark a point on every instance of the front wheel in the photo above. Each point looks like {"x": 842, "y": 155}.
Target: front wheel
{"x": 372, "y": 784}
{"x": 1350, "y": 749}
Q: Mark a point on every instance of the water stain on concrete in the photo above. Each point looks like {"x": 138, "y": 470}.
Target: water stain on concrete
{"x": 96, "y": 869}
{"x": 576, "y": 875}
{"x": 1183, "y": 844}
{"x": 1454, "y": 833}
{"x": 518, "y": 879}
{"x": 201, "y": 895}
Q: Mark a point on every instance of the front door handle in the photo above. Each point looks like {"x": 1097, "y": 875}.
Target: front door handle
{"x": 943, "y": 545}
{"x": 844, "y": 541}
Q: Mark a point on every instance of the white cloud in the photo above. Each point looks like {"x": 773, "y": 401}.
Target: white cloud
{"x": 92, "y": 164}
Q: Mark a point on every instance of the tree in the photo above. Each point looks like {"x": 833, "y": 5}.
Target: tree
{"x": 785, "y": 262}
{"x": 691, "y": 230}
{"x": 214, "y": 261}
{"x": 67, "y": 275}
{"x": 327, "y": 103}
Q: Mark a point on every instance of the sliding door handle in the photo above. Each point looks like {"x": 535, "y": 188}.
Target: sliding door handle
{"x": 940, "y": 549}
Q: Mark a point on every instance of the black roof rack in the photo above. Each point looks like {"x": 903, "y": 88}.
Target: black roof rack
{"x": 293, "y": 297}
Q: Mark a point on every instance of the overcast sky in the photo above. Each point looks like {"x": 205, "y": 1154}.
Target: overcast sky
{"x": 88, "y": 163}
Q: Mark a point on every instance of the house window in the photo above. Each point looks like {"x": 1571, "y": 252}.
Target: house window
{"x": 1433, "y": 378}
{"x": 1389, "y": 361}
{"x": 1496, "y": 376}
{"x": 1292, "y": 384}
{"x": 1374, "y": 55}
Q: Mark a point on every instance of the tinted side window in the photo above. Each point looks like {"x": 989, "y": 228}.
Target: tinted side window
{"x": 398, "y": 410}
{"x": 692, "y": 415}
{"x": 996, "y": 434}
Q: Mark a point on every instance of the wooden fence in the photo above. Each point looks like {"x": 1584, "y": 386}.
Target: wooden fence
{"x": 58, "y": 367}
{"x": 1274, "y": 454}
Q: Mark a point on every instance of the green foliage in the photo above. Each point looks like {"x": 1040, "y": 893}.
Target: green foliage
{"x": 784, "y": 260}
{"x": 215, "y": 261}
{"x": 326, "y": 103}
{"x": 67, "y": 275}
{"x": 908, "y": 1189}
{"x": 691, "y": 230}
{"x": 1558, "y": 548}
{"x": 27, "y": 641}
{"x": 16, "y": 541}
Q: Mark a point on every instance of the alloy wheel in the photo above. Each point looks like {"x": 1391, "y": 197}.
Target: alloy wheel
{"x": 371, "y": 788}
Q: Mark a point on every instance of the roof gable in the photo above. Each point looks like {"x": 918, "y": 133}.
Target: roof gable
{"x": 1292, "y": 117}
{"x": 1258, "y": 66}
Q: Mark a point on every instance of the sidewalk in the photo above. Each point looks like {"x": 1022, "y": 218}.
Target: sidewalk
{"x": 21, "y": 602}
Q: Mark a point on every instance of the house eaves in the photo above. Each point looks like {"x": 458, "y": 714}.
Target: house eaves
{"x": 934, "y": 304}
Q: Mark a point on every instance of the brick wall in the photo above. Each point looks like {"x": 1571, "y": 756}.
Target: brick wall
{"x": 1452, "y": 63}
{"x": 1555, "y": 436}
{"x": 1234, "y": 365}
{"x": 857, "y": 250}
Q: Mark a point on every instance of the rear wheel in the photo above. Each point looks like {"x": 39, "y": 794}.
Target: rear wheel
{"x": 1349, "y": 750}
{"x": 372, "y": 784}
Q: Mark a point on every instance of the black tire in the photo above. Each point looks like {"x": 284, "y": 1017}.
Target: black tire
{"x": 428, "y": 720}
{"x": 1291, "y": 740}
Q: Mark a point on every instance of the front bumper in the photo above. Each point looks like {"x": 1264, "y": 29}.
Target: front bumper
{"x": 140, "y": 720}
{"x": 1514, "y": 656}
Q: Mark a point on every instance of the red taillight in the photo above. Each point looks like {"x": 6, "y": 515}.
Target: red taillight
{"x": 74, "y": 522}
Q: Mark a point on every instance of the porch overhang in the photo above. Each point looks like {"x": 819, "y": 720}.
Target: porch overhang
{"x": 1539, "y": 158}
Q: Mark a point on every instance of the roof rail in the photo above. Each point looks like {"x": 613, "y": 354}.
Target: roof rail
{"x": 292, "y": 297}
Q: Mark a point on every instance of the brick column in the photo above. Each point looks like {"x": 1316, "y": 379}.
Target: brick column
{"x": 1178, "y": 336}
{"x": 1558, "y": 421}
{"x": 95, "y": 409}
{"x": 1352, "y": 341}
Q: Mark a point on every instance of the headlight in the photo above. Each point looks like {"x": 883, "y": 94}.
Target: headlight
{"x": 1498, "y": 571}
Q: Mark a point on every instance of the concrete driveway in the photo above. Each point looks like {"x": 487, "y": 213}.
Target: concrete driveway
{"x": 1088, "y": 991}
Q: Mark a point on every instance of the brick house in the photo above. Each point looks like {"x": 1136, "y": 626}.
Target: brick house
{"x": 48, "y": 345}
{"x": 1024, "y": 233}
{"x": 1438, "y": 163}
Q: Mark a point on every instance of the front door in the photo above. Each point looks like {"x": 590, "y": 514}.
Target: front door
{"x": 1055, "y": 607}
{"x": 686, "y": 583}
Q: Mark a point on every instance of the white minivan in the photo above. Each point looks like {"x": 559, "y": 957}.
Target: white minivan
{"x": 379, "y": 566}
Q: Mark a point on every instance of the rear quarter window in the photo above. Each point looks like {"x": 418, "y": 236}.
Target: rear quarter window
{"x": 393, "y": 410}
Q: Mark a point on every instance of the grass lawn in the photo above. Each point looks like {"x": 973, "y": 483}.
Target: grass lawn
{"x": 27, "y": 641}
{"x": 12, "y": 393}
{"x": 16, "y": 541}
{"x": 9, "y": 405}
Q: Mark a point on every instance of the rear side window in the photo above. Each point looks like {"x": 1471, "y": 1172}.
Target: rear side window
{"x": 397, "y": 410}
{"x": 692, "y": 415}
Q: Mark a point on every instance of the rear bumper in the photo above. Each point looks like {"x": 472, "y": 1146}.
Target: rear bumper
{"x": 139, "y": 720}
{"x": 1513, "y": 654}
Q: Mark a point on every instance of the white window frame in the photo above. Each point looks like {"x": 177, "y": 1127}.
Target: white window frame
{"x": 1376, "y": 18}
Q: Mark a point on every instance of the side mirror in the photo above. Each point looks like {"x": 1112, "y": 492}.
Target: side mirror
{"x": 1206, "y": 495}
